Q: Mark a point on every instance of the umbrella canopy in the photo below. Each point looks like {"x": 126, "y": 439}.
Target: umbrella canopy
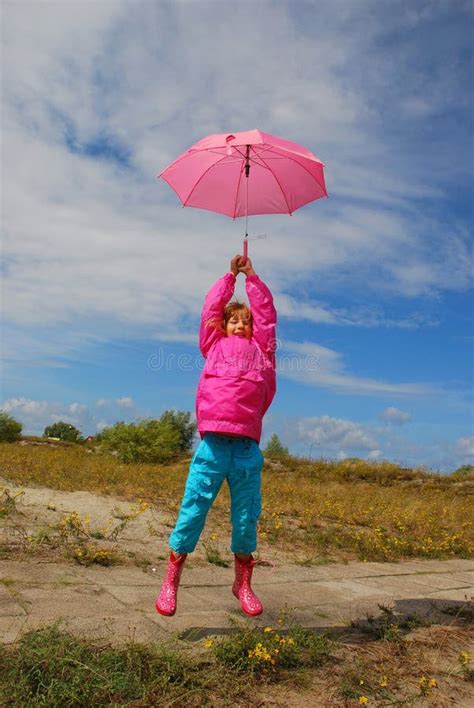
{"x": 246, "y": 173}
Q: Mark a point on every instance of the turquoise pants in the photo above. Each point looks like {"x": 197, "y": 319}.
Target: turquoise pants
{"x": 220, "y": 457}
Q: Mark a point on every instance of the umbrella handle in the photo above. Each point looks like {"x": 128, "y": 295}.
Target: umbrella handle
{"x": 245, "y": 251}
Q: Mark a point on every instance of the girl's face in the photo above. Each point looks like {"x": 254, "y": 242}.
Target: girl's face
{"x": 239, "y": 325}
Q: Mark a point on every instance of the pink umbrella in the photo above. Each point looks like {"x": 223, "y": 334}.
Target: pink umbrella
{"x": 246, "y": 173}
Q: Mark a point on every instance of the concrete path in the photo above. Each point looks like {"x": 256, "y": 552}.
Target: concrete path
{"x": 115, "y": 604}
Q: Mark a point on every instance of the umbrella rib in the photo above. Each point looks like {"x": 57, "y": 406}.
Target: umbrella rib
{"x": 278, "y": 183}
{"x": 237, "y": 190}
{"x": 262, "y": 164}
{"x": 240, "y": 153}
{"x": 305, "y": 169}
{"x": 175, "y": 162}
{"x": 200, "y": 178}
{"x": 218, "y": 152}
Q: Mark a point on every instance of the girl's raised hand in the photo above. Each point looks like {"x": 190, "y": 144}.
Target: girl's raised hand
{"x": 247, "y": 268}
{"x": 234, "y": 264}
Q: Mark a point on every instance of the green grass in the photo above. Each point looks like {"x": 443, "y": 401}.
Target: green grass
{"x": 314, "y": 509}
{"x": 52, "y": 668}
{"x": 251, "y": 666}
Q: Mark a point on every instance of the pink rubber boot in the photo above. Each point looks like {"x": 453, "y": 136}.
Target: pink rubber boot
{"x": 166, "y": 600}
{"x": 242, "y": 590}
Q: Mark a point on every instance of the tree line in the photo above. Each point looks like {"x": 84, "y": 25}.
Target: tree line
{"x": 151, "y": 440}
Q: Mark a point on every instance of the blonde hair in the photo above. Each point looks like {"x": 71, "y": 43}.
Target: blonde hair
{"x": 229, "y": 310}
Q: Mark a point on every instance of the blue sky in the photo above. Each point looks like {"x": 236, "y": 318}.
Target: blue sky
{"x": 104, "y": 273}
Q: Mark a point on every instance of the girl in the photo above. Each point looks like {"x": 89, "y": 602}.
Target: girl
{"x": 235, "y": 390}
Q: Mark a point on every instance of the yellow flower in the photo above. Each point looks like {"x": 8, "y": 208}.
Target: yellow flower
{"x": 363, "y": 700}
{"x": 464, "y": 658}
{"x": 213, "y": 537}
{"x": 208, "y": 643}
{"x": 268, "y": 629}
{"x": 260, "y": 653}
{"x": 432, "y": 683}
{"x": 383, "y": 681}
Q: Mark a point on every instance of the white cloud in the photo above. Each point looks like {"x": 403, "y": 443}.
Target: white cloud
{"x": 336, "y": 434}
{"x": 121, "y": 402}
{"x": 24, "y": 406}
{"x": 294, "y": 308}
{"x": 316, "y": 365}
{"x": 288, "y": 306}
{"x": 395, "y": 416}
{"x": 464, "y": 447}
{"x": 125, "y": 402}
{"x": 375, "y": 455}
{"x": 89, "y": 238}
{"x": 339, "y": 438}
{"x": 36, "y": 415}
{"x": 77, "y": 408}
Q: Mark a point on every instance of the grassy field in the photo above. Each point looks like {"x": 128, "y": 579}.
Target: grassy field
{"x": 313, "y": 510}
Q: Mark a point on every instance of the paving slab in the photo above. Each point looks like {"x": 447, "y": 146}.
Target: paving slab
{"x": 218, "y": 622}
{"x": 117, "y": 604}
{"x": 438, "y": 581}
{"x": 217, "y": 598}
{"x": 116, "y": 629}
{"x": 412, "y": 585}
{"x": 134, "y": 597}
{"x": 461, "y": 595}
{"x": 68, "y": 601}
{"x": 129, "y": 575}
{"x": 467, "y": 577}
{"x": 350, "y": 589}
{"x": 11, "y": 628}
{"x": 9, "y": 605}
{"x": 33, "y": 572}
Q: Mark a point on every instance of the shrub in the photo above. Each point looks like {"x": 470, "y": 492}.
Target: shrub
{"x": 275, "y": 448}
{"x": 149, "y": 440}
{"x": 63, "y": 431}
{"x": 180, "y": 420}
{"x": 263, "y": 652}
{"x": 464, "y": 472}
{"x": 10, "y": 428}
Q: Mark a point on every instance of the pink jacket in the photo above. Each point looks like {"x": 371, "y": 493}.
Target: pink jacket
{"x": 238, "y": 382}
